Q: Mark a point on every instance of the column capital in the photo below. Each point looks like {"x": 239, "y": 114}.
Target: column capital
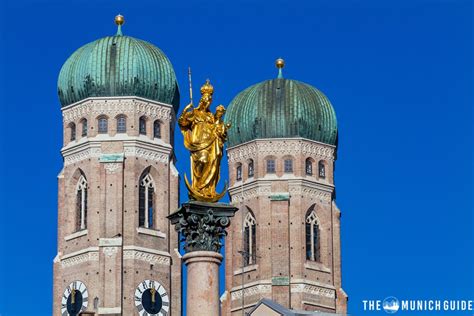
{"x": 202, "y": 224}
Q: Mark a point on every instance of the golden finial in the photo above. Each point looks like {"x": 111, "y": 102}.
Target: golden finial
{"x": 280, "y": 63}
{"x": 119, "y": 19}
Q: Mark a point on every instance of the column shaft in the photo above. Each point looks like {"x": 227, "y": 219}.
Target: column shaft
{"x": 202, "y": 283}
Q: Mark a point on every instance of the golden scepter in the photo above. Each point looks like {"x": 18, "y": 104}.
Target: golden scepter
{"x": 190, "y": 105}
{"x": 190, "y": 85}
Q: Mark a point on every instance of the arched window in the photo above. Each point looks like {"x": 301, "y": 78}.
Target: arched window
{"x": 288, "y": 164}
{"x": 238, "y": 175}
{"x": 84, "y": 127}
{"x": 271, "y": 166}
{"x": 312, "y": 236}
{"x": 146, "y": 201}
{"x": 103, "y": 125}
{"x": 121, "y": 124}
{"x": 156, "y": 129}
{"x": 309, "y": 167}
{"x": 142, "y": 125}
{"x": 322, "y": 169}
{"x": 250, "y": 168}
{"x": 250, "y": 241}
{"x": 72, "y": 127}
{"x": 81, "y": 203}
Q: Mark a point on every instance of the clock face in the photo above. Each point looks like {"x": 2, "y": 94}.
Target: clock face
{"x": 151, "y": 299}
{"x": 75, "y": 299}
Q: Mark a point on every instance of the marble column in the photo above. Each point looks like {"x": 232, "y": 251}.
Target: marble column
{"x": 202, "y": 282}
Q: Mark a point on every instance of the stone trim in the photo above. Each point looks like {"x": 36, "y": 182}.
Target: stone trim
{"x": 79, "y": 252}
{"x": 317, "y": 266}
{"x": 311, "y": 189}
{"x": 310, "y": 282}
{"x": 110, "y": 242}
{"x": 173, "y": 169}
{"x": 99, "y": 139}
{"x": 242, "y": 153}
{"x": 89, "y": 256}
{"x": 76, "y": 235}
{"x": 250, "y": 190}
{"x": 148, "y": 255}
{"x": 146, "y": 152}
{"x": 246, "y": 269}
{"x": 150, "y": 250}
{"x": 117, "y": 105}
{"x": 81, "y": 152}
{"x": 81, "y": 256}
{"x": 133, "y": 146}
{"x": 109, "y": 310}
{"x": 150, "y": 232}
{"x": 296, "y": 186}
{"x": 253, "y": 288}
{"x": 224, "y": 296}
{"x": 313, "y": 290}
{"x": 176, "y": 251}
{"x": 280, "y": 146}
{"x": 57, "y": 258}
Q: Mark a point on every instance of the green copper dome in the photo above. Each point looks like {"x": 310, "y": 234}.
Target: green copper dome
{"x": 281, "y": 108}
{"x": 118, "y": 66}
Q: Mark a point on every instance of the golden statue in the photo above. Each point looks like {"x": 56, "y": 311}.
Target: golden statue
{"x": 204, "y": 136}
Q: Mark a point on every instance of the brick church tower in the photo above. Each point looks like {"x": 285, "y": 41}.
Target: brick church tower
{"x": 285, "y": 243}
{"x": 117, "y": 254}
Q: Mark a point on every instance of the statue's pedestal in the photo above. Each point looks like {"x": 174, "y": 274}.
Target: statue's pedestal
{"x": 202, "y": 226}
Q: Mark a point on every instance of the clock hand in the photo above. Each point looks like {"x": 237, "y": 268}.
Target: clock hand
{"x": 153, "y": 292}
{"x": 73, "y": 296}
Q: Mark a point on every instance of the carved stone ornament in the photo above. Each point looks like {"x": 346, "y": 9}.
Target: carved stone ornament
{"x": 117, "y": 106}
{"x": 313, "y": 290}
{"x": 262, "y": 148}
{"x": 250, "y": 291}
{"x": 110, "y": 251}
{"x": 202, "y": 224}
{"x": 80, "y": 258}
{"x": 111, "y": 168}
{"x": 147, "y": 257}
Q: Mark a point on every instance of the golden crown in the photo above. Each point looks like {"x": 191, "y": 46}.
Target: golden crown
{"x": 207, "y": 88}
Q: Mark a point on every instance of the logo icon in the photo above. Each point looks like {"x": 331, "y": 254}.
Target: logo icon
{"x": 391, "y": 305}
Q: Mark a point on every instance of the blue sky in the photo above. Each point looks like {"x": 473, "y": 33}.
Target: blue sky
{"x": 399, "y": 74}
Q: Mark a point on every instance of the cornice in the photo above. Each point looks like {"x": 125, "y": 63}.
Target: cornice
{"x": 280, "y": 146}
{"x": 132, "y": 147}
{"x": 117, "y": 105}
{"x": 296, "y": 186}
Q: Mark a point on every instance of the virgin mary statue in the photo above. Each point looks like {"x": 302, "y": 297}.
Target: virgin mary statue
{"x": 204, "y": 136}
